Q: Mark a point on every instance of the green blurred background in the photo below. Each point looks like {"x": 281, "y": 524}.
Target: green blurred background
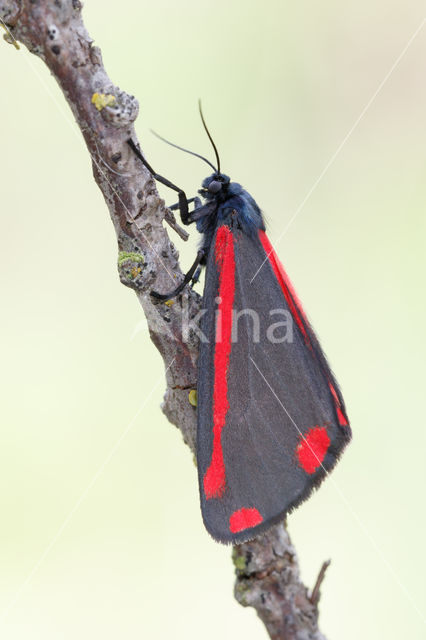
{"x": 282, "y": 84}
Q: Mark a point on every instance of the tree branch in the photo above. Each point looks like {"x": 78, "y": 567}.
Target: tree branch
{"x": 267, "y": 569}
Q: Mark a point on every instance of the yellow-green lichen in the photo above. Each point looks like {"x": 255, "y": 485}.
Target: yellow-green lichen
{"x": 102, "y": 100}
{"x": 129, "y": 256}
{"x": 239, "y": 561}
{"x": 241, "y": 589}
{"x": 135, "y": 271}
{"x": 192, "y": 397}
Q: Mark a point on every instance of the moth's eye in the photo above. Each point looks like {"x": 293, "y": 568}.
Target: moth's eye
{"x": 214, "y": 186}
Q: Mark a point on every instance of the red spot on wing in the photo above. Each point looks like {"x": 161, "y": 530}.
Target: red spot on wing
{"x": 312, "y": 449}
{"x": 215, "y": 477}
{"x": 244, "y": 519}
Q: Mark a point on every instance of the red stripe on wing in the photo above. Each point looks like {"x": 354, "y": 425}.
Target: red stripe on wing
{"x": 285, "y": 284}
{"x": 296, "y": 310}
{"x": 215, "y": 476}
{"x": 340, "y": 415}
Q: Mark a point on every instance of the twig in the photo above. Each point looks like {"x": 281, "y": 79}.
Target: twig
{"x": 267, "y": 570}
{"x": 315, "y": 595}
{"x": 171, "y": 221}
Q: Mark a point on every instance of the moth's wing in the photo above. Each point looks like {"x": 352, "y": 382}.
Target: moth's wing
{"x": 271, "y": 419}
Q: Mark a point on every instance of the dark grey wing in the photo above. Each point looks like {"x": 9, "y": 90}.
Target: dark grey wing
{"x": 271, "y": 420}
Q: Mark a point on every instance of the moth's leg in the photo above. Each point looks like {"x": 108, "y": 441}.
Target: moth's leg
{"x": 188, "y": 277}
{"x": 183, "y": 201}
{"x": 196, "y": 276}
{"x": 202, "y": 210}
{"x": 175, "y": 206}
{"x": 198, "y": 206}
{"x": 202, "y": 264}
{"x": 199, "y": 211}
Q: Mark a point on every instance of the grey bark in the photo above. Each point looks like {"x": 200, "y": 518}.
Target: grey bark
{"x": 267, "y": 573}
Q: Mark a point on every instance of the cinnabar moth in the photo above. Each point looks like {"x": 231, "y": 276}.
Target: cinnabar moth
{"x": 271, "y": 418}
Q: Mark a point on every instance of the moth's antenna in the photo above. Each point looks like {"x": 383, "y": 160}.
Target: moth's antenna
{"x": 210, "y": 138}
{"x": 186, "y": 150}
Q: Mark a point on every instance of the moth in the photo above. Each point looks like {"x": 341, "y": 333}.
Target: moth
{"x": 271, "y": 420}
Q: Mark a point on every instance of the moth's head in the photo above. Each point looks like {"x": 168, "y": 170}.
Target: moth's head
{"x": 215, "y": 186}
